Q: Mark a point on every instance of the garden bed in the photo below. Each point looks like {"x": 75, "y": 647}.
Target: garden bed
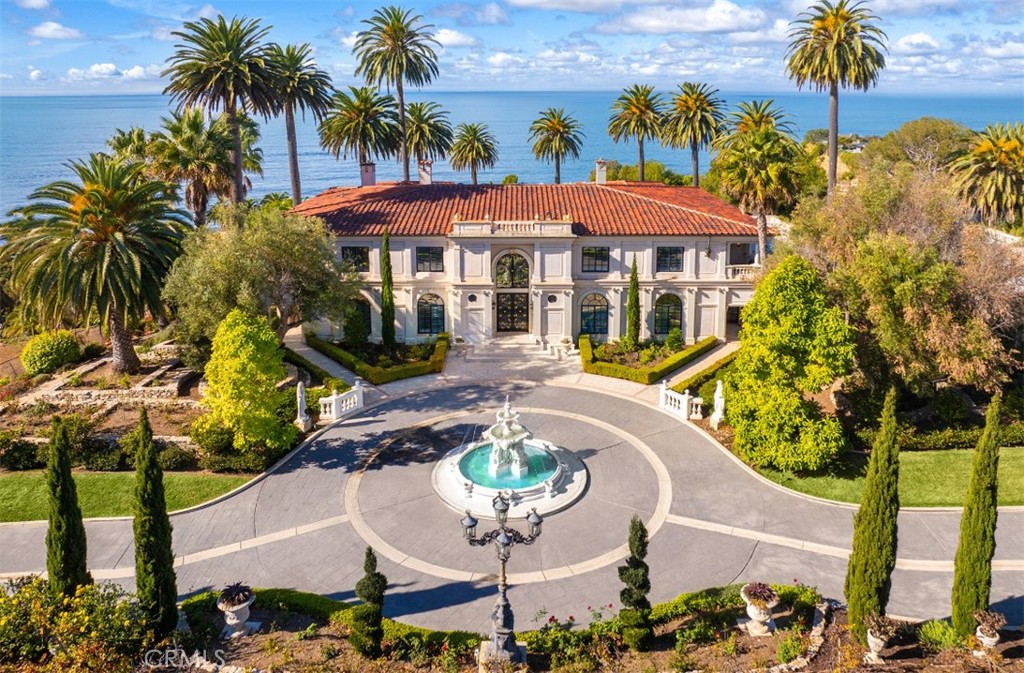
{"x": 377, "y": 375}
{"x": 628, "y": 365}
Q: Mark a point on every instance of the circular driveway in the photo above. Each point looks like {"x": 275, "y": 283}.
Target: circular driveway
{"x": 712, "y": 522}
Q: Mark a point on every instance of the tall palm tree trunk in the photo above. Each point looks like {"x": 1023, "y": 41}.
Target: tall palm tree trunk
{"x": 124, "y": 358}
{"x": 473, "y": 170}
{"x": 198, "y": 205}
{"x": 558, "y": 170}
{"x": 762, "y": 236}
{"x": 293, "y": 153}
{"x": 401, "y": 125}
{"x": 695, "y": 162}
{"x": 833, "y": 135}
{"x": 641, "y": 166}
{"x": 237, "y": 185}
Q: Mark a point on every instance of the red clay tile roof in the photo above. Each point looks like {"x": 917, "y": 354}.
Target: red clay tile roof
{"x": 613, "y": 209}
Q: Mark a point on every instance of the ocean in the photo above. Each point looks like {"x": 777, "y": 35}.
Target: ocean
{"x": 38, "y": 135}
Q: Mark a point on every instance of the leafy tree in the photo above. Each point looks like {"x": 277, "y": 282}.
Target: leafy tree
{"x": 65, "y": 534}
{"x": 927, "y": 143}
{"x": 367, "y": 632}
{"x": 637, "y": 113}
{"x": 990, "y": 177}
{"x": 635, "y": 574}
{"x": 279, "y": 264}
{"x": 299, "y": 83}
{"x": 243, "y": 371}
{"x": 474, "y": 148}
{"x": 695, "y": 118}
{"x": 972, "y": 566}
{"x": 632, "y": 339}
{"x": 387, "y": 295}
{"x": 395, "y": 49}
{"x": 428, "y": 131}
{"x": 794, "y": 342}
{"x": 873, "y": 556}
{"x": 154, "y": 560}
{"x": 757, "y": 169}
{"x": 556, "y": 135}
{"x": 835, "y": 45}
{"x": 100, "y": 247}
{"x": 224, "y": 65}
{"x": 361, "y": 122}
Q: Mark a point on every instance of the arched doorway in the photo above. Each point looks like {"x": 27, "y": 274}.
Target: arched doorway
{"x": 512, "y": 281}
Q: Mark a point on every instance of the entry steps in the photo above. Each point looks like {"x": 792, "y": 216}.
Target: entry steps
{"x": 519, "y": 348}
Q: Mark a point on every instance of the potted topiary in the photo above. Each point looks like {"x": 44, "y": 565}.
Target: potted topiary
{"x": 760, "y": 599}
{"x": 234, "y": 602}
{"x": 989, "y": 624}
{"x": 880, "y": 630}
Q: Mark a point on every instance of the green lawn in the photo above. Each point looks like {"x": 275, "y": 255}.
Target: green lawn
{"x": 23, "y": 494}
{"x": 927, "y": 478}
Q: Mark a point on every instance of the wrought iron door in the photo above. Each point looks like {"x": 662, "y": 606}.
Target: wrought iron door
{"x": 513, "y": 312}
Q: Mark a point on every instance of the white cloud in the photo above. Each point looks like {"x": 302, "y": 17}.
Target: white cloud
{"x": 887, "y": 7}
{"x": 163, "y": 32}
{"x": 4, "y": 75}
{"x": 453, "y": 38}
{"x": 51, "y": 30}
{"x": 1007, "y": 49}
{"x": 559, "y": 56}
{"x": 94, "y": 71}
{"x": 721, "y": 16}
{"x": 137, "y": 72}
{"x": 916, "y": 44}
{"x": 504, "y": 59}
{"x": 35, "y": 74}
{"x": 347, "y": 39}
{"x": 491, "y": 13}
{"x": 206, "y": 11}
{"x": 588, "y": 6}
{"x": 108, "y": 72}
{"x": 779, "y": 32}
{"x": 32, "y": 4}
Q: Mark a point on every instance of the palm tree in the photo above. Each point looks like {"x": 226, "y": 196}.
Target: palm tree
{"x": 427, "y": 131}
{"x": 224, "y": 65}
{"x": 101, "y": 246}
{"x": 695, "y": 119}
{"x": 300, "y": 84}
{"x": 130, "y": 145}
{"x": 395, "y": 49}
{"x": 757, "y": 169}
{"x": 990, "y": 176}
{"x": 751, "y": 116}
{"x": 279, "y": 200}
{"x": 362, "y": 122}
{"x": 474, "y": 148}
{"x": 637, "y": 113}
{"x": 556, "y": 135}
{"x": 191, "y": 152}
{"x": 833, "y": 46}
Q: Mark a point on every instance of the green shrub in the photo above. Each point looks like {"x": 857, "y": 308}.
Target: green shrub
{"x": 674, "y": 339}
{"x": 212, "y": 438}
{"x": 103, "y": 456}
{"x": 47, "y": 352}
{"x": 82, "y": 443}
{"x": 938, "y": 636}
{"x": 950, "y": 407}
{"x": 92, "y": 350}
{"x": 647, "y": 375}
{"x": 367, "y": 632}
{"x": 910, "y": 439}
{"x": 379, "y": 375}
{"x": 698, "y": 632}
{"x": 17, "y": 454}
{"x": 789, "y": 648}
{"x": 710, "y": 374}
{"x": 174, "y": 458}
{"x": 249, "y": 463}
{"x": 706, "y": 600}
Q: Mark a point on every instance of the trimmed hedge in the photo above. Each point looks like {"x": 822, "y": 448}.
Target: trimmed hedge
{"x": 910, "y": 439}
{"x": 695, "y": 382}
{"x": 645, "y": 375}
{"x": 379, "y": 375}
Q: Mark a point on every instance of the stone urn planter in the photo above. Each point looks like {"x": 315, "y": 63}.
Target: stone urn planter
{"x": 989, "y": 624}
{"x": 760, "y": 599}
{"x": 880, "y": 630}
{"x": 234, "y": 602}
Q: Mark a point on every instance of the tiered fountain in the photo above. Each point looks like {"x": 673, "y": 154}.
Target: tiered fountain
{"x": 532, "y": 473}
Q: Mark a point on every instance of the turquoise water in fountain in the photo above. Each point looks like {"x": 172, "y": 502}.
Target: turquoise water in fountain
{"x": 541, "y": 465}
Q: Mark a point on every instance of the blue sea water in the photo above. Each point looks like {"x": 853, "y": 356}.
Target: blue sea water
{"x": 38, "y": 135}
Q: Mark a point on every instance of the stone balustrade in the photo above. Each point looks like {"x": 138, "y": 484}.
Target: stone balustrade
{"x": 338, "y": 405}
{"x": 683, "y": 405}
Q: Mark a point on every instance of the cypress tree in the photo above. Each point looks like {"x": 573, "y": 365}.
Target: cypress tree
{"x": 367, "y": 619}
{"x": 65, "y": 535}
{"x": 972, "y": 566}
{"x": 633, "y": 309}
{"x": 873, "y": 557}
{"x": 387, "y": 296}
{"x": 154, "y": 560}
{"x": 635, "y": 575}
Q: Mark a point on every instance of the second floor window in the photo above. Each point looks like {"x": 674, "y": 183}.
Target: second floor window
{"x": 741, "y": 254}
{"x": 670, "y": 259}
{"x": 595, "y": 259}
{"x": 357, "y": 256}
{"x": 430, "y": 259}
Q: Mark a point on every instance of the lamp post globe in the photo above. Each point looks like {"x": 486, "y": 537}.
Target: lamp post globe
{"x": 469, "y": 526}
{"x": 534, "y": 520}
{"x": 501, "y": 506}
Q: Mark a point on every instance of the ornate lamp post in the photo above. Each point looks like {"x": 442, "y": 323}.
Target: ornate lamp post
{"x": 502, "y": 646}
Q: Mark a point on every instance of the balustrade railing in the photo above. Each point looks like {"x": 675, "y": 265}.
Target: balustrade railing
{"x": 683, "y": 405}
{"x": 337, "y": 405}
{"x": 742, "y": 271}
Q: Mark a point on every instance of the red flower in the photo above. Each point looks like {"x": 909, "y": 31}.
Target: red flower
{"x": 571, "y": 618}
{"x": 551, "y": 619}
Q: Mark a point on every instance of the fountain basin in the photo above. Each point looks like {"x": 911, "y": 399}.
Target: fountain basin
{"x": 555, "y": 480}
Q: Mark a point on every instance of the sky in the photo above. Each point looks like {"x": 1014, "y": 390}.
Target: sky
{"x": 67, "y": 47}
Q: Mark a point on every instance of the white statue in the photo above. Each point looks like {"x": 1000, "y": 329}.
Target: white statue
{"x": 719, "y": 414}
{"x": 302, "y": 420}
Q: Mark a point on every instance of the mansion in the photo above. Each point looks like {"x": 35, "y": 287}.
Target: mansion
{"x": 551, "y": 261}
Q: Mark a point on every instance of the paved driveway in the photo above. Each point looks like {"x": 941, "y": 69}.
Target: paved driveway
{"x": 713, "y": 522}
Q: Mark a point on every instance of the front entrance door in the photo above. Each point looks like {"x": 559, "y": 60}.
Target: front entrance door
{"x": 513, "y": 312}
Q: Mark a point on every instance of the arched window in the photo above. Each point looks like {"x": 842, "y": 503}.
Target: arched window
{"x": 668, "y": 313}
{"x": 594, "y": 315}
{"x": 430, "y": 314}
{"x": 513, "y": 271}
